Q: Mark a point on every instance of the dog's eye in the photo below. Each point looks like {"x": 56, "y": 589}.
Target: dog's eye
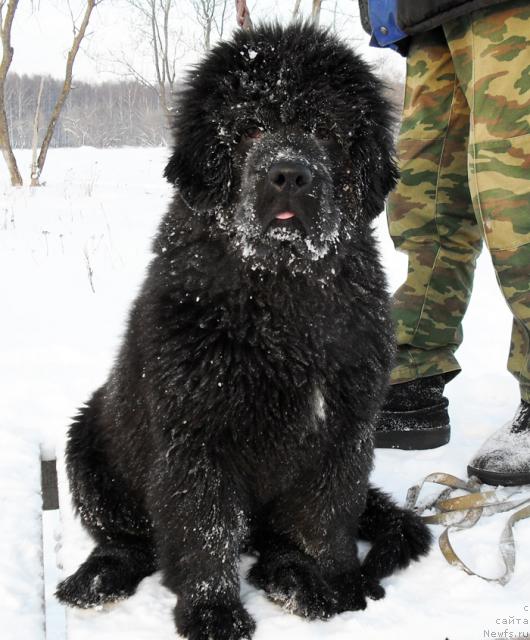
{"x": 253, "y": 133}
{"x": 322, "y": 133}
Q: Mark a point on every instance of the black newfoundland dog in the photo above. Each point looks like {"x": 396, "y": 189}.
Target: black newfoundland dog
{"x": 240, "y": 412}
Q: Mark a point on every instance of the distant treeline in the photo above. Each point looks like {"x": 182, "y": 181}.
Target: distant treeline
{"x": 110, "y": 114}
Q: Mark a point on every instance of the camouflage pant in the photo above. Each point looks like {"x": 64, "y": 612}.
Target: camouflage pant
{"x": 464, "y": 151}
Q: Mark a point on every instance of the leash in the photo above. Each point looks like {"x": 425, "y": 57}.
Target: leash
{"x": 464, "y": 511}
{"x": 243, "y": 15}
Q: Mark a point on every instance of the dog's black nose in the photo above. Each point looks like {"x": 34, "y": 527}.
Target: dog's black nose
{"x": 291, "y": 176}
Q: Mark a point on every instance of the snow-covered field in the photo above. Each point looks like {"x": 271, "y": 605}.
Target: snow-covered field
{"x": 72, "y": 255}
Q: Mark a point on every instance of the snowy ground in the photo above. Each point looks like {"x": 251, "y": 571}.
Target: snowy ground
{"x": 72, "y": 256}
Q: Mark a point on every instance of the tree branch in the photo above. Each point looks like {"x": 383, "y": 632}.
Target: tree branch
{"x": 78, "y": 37}
{"x": 7, "y": 56}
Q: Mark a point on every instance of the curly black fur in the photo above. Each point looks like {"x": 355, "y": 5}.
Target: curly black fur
{"x": 240, "y": 411}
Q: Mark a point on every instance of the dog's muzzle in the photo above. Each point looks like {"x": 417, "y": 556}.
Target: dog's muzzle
{"x": 286, "y": 197}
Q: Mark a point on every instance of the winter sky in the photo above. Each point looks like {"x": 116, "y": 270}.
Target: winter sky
{"x": 42, "y": 35}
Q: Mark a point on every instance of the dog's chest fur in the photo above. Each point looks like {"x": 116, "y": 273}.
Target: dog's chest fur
{"x": 250, "y": 365}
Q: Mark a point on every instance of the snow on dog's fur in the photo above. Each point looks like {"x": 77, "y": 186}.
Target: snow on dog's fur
{"x": 240, "y": 411}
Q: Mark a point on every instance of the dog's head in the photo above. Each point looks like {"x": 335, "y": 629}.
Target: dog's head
{"x": 283, "y": 134}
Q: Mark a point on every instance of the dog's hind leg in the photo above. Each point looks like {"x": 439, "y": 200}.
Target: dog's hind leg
{"x": 398, "y": 536}
{"x": 112, "y": 515}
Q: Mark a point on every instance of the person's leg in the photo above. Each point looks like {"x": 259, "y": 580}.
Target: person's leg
{"x": 431, "y": 216}
{"x": 431, "y": 219}
{"x": 491, "y": 53}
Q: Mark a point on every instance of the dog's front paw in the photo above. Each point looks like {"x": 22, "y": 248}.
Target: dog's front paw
{"x": 214, "y": 622}
{"x": 298, "y": 587}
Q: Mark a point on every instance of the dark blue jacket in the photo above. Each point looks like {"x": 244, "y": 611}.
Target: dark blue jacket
{"x": 391, "y": 22}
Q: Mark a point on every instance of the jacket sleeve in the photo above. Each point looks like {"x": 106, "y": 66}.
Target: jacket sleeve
{"x": 365, "y": 16}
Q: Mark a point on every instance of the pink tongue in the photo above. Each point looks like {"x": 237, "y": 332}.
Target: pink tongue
{"x": 285, "y": 215}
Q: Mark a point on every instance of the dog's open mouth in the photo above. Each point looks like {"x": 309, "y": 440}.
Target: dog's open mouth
{"x": 285, "y": 215}
{"x": 287, "y": 226}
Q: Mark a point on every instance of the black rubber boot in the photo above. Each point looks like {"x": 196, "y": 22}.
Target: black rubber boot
{"x": 414, "y": 416}
{"x": 504, "y": 459}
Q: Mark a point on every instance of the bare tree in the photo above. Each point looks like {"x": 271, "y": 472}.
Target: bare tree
{"x": 79, "y": 34}
{"x": 220, "y": 23}
{"x": 296, "y": 9}
{"x": 156, "y": 26}
{"x": 207, "y": 13}
{"x": 164, "y": 44}
{"x": 315, "y": 13}
{"x": 35, "y": 139}
{"x": 9, "y": 6}
{"x": 204, "y": 10}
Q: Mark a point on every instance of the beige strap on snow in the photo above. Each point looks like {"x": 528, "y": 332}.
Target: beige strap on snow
{"x": 464, "y": 511}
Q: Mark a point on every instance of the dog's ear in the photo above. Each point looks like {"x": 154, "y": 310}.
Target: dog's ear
{"x": 374, "y": 153}
{"x": 200, "y": 165}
